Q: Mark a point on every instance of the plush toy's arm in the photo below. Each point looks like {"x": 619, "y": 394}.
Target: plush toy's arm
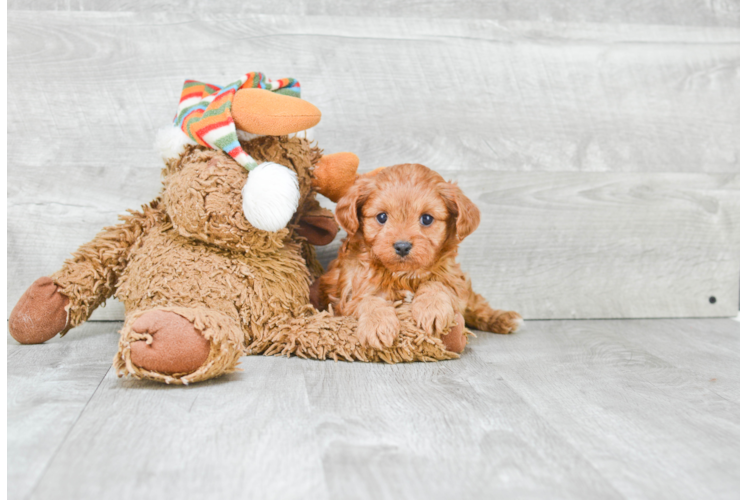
{"x": 66, "y": 299}
{"x": 90, "y": 276}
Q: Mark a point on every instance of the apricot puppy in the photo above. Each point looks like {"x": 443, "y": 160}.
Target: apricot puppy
{"x": 404, "y": 225}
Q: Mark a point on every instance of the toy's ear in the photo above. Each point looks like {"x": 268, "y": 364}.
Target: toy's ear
{"x": 466, "y": 215}
{"x": 346, "y": 212}
{"x": 335, "y": 174}
{"x": 318, "y": 226}
{"x": 261, "y": 112}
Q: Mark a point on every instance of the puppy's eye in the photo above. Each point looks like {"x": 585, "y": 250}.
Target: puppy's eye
{"x": 382, "y": 218}
{"x": 427, "y": 219}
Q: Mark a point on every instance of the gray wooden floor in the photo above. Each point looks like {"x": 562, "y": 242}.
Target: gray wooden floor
{"x": 563, "y": 409}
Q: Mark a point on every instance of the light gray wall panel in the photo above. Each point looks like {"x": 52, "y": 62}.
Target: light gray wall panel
{"x": 582, "y": 245}
{"x": 661, "y": 12}
{"x": 609, "y": 126}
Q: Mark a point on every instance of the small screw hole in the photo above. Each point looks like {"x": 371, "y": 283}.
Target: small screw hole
{"x": 712, "y": 300}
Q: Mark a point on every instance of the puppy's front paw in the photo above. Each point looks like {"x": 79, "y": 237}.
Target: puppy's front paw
{"x": 378, "y": 327}
{"x": 433, "y": 312}
{"x": 505, "y": 322}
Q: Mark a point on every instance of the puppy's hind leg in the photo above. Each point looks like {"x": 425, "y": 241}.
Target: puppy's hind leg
{"x": 480, "y": 315}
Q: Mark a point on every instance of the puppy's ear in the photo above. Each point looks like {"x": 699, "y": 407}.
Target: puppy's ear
{"x": 346, "y": 212}
{"x": 466, "y": 215}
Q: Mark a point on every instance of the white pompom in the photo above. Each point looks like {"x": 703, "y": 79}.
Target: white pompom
{"x": 271, "y": 196}
{"x": 170, "y": 142}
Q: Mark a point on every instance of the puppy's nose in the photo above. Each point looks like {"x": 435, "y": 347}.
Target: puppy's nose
{"x": 402, "y": 248}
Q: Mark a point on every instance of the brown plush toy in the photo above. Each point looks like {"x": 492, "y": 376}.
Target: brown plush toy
{"x": 201, "y": 284}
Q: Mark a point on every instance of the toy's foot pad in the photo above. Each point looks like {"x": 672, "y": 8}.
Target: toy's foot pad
{"x": 455, "y": 340}
{"x": 40, "y": 313}
{"x": 177, "y": 346}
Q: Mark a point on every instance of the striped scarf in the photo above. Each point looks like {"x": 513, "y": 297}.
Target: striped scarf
{"x": 204, "y": 112}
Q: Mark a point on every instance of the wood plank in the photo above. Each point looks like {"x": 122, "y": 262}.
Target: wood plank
{"x": 743, "y": 425}
{"x": 579, "y": 106}
{"x": 291, "y": 428}
{"x": 228, "y": 438}
{"x": 450, "y": 430}
{"x": 652, "y": 429}
{"x": 662, "y": 12}
{"x": 49, "y": 386}
{"x": 568, "y": 409}
{"x": 742, "y": 81}
{"x": 553, "y": 245}
{"x": 605, "y": 245}
{"x": 717, "y": 359}
{"x": 454, "y": 94}
{"x": 743, "y": 262}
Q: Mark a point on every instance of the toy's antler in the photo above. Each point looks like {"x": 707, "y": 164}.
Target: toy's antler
{"x": 335, "y": 174}
{"x": 262, "y": 112}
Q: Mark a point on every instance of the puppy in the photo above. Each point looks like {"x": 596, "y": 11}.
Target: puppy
{"x": 404, "y": 224}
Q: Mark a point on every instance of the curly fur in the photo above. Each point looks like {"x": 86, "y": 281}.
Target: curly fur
{"x": 369, "y": 275}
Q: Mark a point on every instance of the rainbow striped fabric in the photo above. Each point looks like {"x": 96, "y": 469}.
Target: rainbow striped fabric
{"x": 204, "y": 112}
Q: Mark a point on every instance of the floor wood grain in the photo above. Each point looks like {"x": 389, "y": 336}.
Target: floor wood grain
{"x": 49, "y": 387}
{"x": 604, "y": 155}
{"x": 743, "y": 427}
{"x": 563, "y": 409}
{"x": 641, "y": 420}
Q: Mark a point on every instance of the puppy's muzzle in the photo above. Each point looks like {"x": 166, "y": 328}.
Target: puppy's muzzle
{"x": 402, "y": 248}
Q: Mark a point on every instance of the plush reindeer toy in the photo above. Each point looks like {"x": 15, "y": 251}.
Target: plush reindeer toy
{"x": 219, "y": 264}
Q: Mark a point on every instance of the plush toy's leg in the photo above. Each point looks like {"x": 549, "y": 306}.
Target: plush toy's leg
{"x": 455, "y": 340}
{"x": 179, "y": 344}
{"x": 320, "y": 335}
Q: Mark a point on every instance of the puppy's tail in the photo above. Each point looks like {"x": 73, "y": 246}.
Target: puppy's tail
{"x": 480, "y": 315}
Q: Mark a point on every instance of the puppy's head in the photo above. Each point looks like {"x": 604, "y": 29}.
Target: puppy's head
{"x": 408, "y": 215}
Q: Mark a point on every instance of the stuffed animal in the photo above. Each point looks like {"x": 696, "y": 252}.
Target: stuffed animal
{"x": 220, "y": 264}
